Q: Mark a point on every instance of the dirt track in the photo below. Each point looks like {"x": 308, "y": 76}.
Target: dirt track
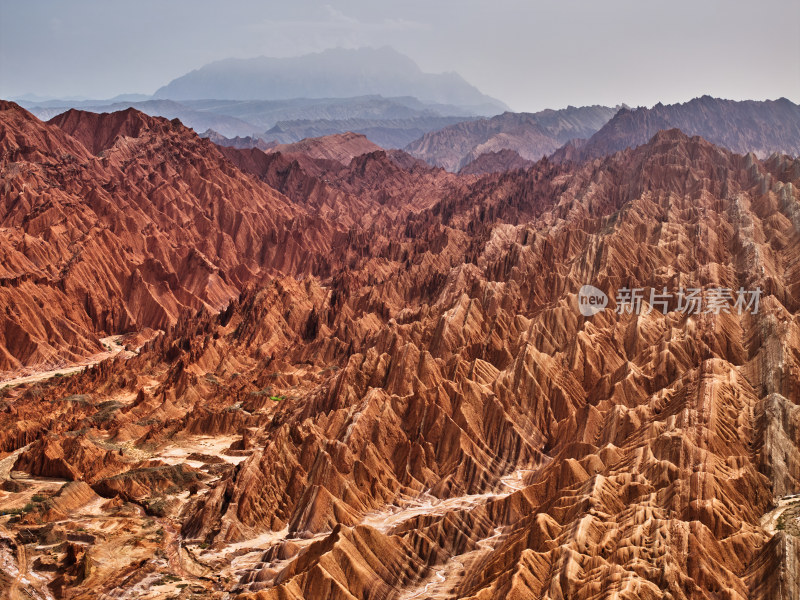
{"x": 34, "y": 376}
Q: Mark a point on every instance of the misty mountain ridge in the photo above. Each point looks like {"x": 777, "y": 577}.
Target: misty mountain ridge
{"x": 333, "y": 73}
{"x": 759, "y": 126}
{"x": 529, "y": 135}
{"x": 389, "y": 122}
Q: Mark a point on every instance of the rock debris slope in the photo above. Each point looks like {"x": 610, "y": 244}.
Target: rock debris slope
{"x": 432, "y": 416}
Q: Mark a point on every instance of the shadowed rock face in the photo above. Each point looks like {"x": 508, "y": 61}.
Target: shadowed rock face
{"x": 434, "y": 418}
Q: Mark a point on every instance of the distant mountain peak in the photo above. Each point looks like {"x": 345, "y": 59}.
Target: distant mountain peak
{"x": 332, "y": 73}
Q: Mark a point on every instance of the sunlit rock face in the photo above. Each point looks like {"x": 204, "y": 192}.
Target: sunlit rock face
{"x": 402, "y": 397}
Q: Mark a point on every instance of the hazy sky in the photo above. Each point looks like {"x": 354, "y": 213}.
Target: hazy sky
{"x": 530, "y": 54}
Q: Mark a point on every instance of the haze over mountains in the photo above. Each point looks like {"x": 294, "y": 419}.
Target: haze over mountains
{"x": 377, "y": 92}
{"x": 336, "y": 73}
{"x": 392, "y": 122}
{"x": 441, "y": 119}
{"x": 372, "y": 378}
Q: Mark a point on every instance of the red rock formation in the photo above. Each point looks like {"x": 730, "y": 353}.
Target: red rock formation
{"x": 72, "y": 458}
{"x": 433, "y": 415}
{"x": 102, "y": 132}
{"x": 157, "y": 223}
{"x": 340, "y": 147}
{"x": 496, "y": 162}
{"x": 70, "y": 499}
{"x": 373, "y": 189}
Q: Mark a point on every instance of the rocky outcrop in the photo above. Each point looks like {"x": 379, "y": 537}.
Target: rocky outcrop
{"x": 101, "y": 132}
{"x": 372, "y": 189}
{"x": 349, "y": 563}
{"x": 531, "y": 135}
{"x": 763, "y": 128}
{"x": 495, "y": 162}
{"x": 143, "y": 482}
{"x": 70, "y": 457}
{"x": 239, "y": 142}
{"x": 340, "y": 147}
{"x": 71, "y": 498}
{"x": 158, "y": 222}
